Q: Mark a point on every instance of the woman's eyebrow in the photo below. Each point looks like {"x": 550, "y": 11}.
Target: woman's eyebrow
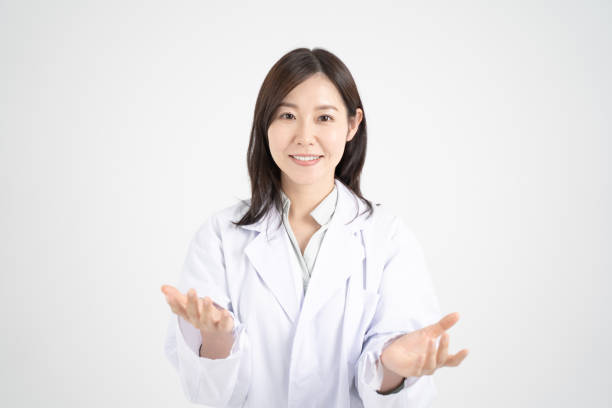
{"x": 292, "y": 105}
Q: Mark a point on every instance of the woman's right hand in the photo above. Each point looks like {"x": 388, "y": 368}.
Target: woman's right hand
{"x": 201, "y": 313}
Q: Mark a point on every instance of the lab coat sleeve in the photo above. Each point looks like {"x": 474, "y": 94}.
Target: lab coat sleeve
{"x": 212, "y": 382}
{"x": 407, "y": 303}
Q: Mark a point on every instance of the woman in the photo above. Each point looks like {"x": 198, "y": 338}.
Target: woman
{"x": 358, "y": 327}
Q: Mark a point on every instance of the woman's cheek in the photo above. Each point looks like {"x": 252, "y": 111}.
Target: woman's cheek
{"x": 273, "y": 143}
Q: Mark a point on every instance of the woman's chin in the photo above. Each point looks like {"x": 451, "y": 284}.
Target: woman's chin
{"x": 303, "y": 178}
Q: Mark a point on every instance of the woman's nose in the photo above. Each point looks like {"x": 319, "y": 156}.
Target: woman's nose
{"x": 305, "y": 134}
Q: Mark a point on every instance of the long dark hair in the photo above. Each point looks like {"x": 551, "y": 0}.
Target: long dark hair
{"x": 288, "y": 72}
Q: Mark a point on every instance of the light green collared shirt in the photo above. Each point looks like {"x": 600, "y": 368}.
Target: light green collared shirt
{"x": 322, "y": 214}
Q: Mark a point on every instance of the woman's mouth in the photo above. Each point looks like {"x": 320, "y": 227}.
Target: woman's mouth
{"x": 305, "y": 160}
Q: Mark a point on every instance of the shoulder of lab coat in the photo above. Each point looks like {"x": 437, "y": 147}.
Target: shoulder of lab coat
{"x": 216, "y": 382}
{"x": 407, "y": 303}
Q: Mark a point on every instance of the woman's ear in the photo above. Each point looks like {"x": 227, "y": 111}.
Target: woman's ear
{"x": 354, "y": 122}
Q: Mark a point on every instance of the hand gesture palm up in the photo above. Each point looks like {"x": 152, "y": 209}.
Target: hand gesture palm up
{"x": 202, "y": 313}
{"x": 414, "y": 354}
{"x": 411, "y": 355}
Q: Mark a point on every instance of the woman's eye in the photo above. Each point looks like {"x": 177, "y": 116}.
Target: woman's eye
{"x": 286, "y": 116}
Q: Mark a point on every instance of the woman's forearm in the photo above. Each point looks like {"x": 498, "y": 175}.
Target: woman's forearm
{"x": 390, "y": 381}
{"x": 216, "y": 345}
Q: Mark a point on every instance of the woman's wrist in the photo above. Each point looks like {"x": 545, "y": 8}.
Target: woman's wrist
{"x": 216, "y": 345}
{"x": 391, "y": 381}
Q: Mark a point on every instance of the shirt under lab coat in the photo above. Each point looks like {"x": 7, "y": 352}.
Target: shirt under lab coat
{"x": 234, "y": 381}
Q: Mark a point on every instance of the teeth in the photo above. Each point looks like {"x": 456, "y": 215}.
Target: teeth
{"x": 306, "y": 158}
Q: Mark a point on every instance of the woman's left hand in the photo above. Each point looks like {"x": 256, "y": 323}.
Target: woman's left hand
{"x": 414, "y": 354}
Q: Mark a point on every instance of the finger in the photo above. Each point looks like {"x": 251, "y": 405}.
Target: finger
{"x": 430, "y": 360}
{"x": 192, "y": 306}
{"x": 176, "y": 305}
{"x": 169, "y": 290}
{"x": 173, "y": 293}
{"x": 209, "y": 317}
{"x": 443, "y": 350}
{"x": 201, "y": 311}
{"x": 423, "y": 360}
{"x": 227, "y": 321}
{"x": 414, "y": 366}
{"x": 455, "y": 360}
{"x": 448, "y": 321}
{"x": 217, "y": 311}
{"x": 172, "y": 305}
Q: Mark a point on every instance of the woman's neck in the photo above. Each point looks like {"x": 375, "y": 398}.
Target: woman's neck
{"x": 305, "y": 197}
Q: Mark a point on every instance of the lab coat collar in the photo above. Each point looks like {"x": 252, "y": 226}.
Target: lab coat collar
{"x": 347, "y": 205}
{"x": 322, "y": 213}
{"x": 341, "y": 255}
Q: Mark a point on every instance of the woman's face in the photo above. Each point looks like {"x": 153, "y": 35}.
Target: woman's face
{"x": 311, "y": 121}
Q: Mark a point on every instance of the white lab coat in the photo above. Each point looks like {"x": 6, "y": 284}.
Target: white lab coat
{"x": 369, "y": 284}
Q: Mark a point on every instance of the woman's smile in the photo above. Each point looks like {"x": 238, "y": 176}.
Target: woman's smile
{"x": 305, "y": 160}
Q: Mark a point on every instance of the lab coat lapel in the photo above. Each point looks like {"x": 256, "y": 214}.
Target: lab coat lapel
{"x": 268, "y": 253}
{"x": 341, "y": 254}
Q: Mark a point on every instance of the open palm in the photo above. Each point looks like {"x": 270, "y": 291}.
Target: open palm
{"x": 414, "y": 354}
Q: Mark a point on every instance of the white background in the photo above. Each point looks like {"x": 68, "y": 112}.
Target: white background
{"x": 125, "y": 124}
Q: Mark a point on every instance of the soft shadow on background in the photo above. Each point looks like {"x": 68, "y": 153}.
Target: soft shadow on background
{"x": 125, "y": 125}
